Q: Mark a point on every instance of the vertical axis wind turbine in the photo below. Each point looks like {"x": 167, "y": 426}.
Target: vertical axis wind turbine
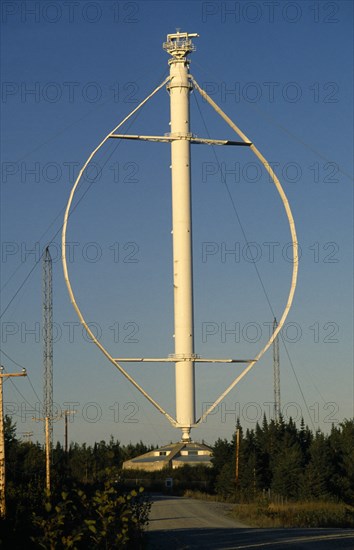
{"x": 179, "y": 84}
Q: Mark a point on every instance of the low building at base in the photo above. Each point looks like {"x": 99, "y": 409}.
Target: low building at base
{"x": 172, "y": 456}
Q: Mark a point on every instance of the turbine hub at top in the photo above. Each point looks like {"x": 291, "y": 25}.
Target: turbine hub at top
{"x": 179, "y": 45}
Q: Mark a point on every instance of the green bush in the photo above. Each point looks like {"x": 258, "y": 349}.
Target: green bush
{"x": 106, "y": 520}
{"x": 78, "y": 517}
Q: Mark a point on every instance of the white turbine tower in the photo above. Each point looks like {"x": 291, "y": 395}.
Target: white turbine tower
{"x": 179, "y": 84}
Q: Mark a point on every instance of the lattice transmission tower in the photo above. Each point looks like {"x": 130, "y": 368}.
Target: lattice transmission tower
{"x": 276, "y": 374}
{"x": 48, "y": 339}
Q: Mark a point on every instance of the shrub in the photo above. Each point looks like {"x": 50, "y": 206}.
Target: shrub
{"x": 108, "y": 519}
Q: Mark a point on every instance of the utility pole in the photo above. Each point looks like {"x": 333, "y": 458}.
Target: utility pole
{"x": 48, "y": 441}
{"x": 66, "y": 414}
{"x": 276, "y": 374}
{"x": 2, "y": 441}
{"x": 47, "y": 423}
{"x": 66, "y": 432}
{"x": 237, "y": 442}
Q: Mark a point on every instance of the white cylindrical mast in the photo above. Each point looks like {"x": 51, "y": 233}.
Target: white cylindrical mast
{"x": 178, "y": 46}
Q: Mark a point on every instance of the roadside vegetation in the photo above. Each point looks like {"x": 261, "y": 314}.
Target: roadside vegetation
{"x": 263, "y": 512}
{"x": 87, "y": 507}
{"x": 295, "y": 514}
{"x": 288, "y": 476}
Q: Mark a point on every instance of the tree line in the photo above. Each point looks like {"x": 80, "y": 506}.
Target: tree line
{"x": 82, "y": 463}
{"x": 86, "y": 508}
{"x": 278, "y": 458}
{"x": 90, "y": 504}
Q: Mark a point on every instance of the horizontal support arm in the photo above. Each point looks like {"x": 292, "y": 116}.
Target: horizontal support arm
{"x": 166, "y": 139}
{"x": 220, "y": 142}
{"x": 192, "y": 139}
{"x": 8, "y": 375}
{"x": 178, "y": 359}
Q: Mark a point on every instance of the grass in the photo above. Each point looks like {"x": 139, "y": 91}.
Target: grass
{"x": 200, "y": 495}
{"x": 295, "y": 514}
{"x": 291, "y": 514}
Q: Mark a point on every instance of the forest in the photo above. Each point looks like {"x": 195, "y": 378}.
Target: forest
{"x": 86, "y": 507}
{"x": 95, "y": 504}
{"x": 291, "y": 462}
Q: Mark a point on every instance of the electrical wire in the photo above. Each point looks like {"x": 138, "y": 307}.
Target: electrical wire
{"x": 65, "y": 266}
{"x": 60, "y": 213}
{"x": 19, "y": 392}
{"x": 291, "y": 223}
{"x": 35, "y": 265}
{"x": 223, "y": 179}
{"x": 114, "y": 148}
{"x": 74, "y": 207}
{"x": 283, "y": 128}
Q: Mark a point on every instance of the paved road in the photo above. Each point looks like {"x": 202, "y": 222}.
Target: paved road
{"x": 186, "y": 524}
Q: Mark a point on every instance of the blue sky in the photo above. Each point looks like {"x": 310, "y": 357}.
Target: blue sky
{"x": 283, "y": 72}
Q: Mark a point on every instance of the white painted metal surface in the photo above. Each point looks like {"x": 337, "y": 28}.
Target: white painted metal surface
{"x": 179, "y": 88}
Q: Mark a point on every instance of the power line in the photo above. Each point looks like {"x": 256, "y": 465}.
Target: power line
{"x": 60, "y": 213}
{"x": 51, "y": 240}
{"x": 223, "y": 179}
{"x": 108, "y": 155}
{"x": 284, "y": 129}
{"x": 21, "y": 367}
{"x": 113, "y": 149}
{"x": 34, "y": 391}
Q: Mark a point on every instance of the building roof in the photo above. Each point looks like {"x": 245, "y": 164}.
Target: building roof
{"x": 171, "y": 455}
